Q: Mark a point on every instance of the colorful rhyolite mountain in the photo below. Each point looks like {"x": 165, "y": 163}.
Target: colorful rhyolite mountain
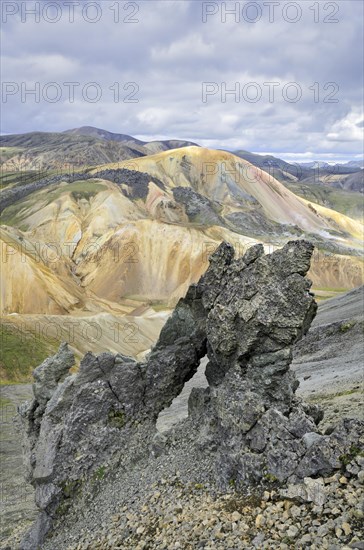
{"x": 99, "y": 258}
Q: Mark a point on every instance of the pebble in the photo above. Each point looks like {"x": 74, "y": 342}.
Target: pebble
{"x": 292, "y": 532}
{"x": 346, "y": 528}
{"x": 259, "y": 520}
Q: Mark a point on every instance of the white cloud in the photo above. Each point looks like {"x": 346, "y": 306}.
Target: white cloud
{"x": 189, "y": 46}
{"x": 347, "y": 129}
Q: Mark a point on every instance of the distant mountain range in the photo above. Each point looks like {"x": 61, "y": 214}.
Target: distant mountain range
{"x": 150, "y": 146}
{"x": 276, "y": 167}
{"x": 102, "y": 134}
{"x": 79, "y": 147}
{"x": 88, "y": 146}
{"x": 320, "y": 164}
{"x": 347, "y": 176}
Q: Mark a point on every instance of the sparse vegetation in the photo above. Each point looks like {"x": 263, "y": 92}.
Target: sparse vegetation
{"x": 159, "y": 306}
{"x": 344, "y": 327}
{"x": 117, "y": 419}
{"x": 77, "y": 189}
{"x": 4, "y": 402}
{"x": 15, "y": 213}
{"x": 20, "y": 352}
{"x": 8, "y": 152}
{"x": 346, "y": 202}
{"x": 100, "y": 473}
{"x": 331, "y": 396}
{"x": 270, "y": 478}
{"x": 354, "y": 451}
{"x": 70, "y": 487}
{"x": 331, "y": 289}
{"x": 70, "y": 490}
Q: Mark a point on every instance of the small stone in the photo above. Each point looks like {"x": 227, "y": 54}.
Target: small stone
{"x": 295, "y": 511}
{"x": 235, "y": 516}
{"x": 258, "y": 540}
{"x": 353, "y": 469}
{"x": 259, "y": 520}
{"x": 311, "y": 438}
{"x": 343, "y": 480}
{"x": 322, "y": 530}
{"x": 338, "y": 532}
{"x": 292, "y": 532}
{"x": 346, "y": 528}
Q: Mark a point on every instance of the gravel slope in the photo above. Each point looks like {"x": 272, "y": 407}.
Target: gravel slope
{"x": 17, "y": 508}
{"x": 329, "y": 360}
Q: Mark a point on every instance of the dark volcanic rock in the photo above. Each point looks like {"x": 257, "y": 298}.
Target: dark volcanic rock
{"x": 245, "y": 314}
{"x": 199, "y": 209}
{"x": 135, "y": 182}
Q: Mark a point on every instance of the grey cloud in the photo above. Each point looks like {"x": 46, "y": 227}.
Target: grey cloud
{"x": 171, "y": 52}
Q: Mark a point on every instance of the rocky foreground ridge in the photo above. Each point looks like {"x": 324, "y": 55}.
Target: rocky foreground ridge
{"x": 92, "y": 437}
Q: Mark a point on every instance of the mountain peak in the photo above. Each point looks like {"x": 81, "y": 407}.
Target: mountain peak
{"x": 101, "y": 134}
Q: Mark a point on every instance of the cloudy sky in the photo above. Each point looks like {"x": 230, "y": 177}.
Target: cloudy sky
{"x": 266, "y": 76}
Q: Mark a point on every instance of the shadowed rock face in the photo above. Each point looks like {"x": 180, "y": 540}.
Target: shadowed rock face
{"x": 245, "y": 314}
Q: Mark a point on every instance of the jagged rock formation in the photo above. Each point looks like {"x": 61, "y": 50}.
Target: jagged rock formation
{"x": 245, "y": 314}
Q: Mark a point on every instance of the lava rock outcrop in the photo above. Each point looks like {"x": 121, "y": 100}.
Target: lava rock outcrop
{"x": 245, "y": 314}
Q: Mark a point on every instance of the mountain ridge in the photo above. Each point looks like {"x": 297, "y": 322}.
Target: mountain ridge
{"x": 89, "y": 146}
